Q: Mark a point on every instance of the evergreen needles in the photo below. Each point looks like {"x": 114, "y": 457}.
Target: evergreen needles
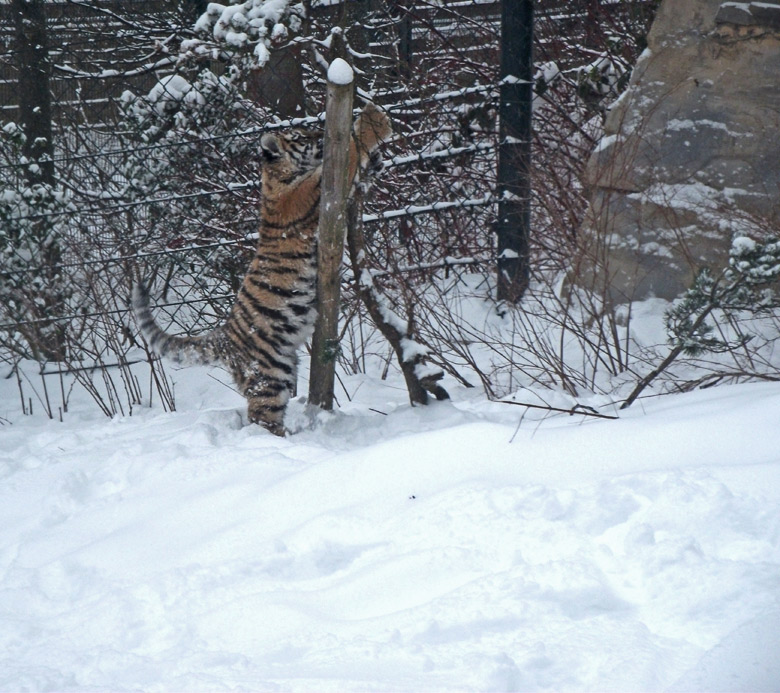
{"x": 744, "y": 285}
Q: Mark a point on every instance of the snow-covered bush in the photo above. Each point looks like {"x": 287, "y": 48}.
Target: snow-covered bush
{"x": 197, "y": 168}
{"x": 746, "y": 284}
{"x": 33, "y": 224}
{"x": 245, "y": 32}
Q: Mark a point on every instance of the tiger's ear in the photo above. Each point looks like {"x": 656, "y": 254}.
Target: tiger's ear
{"x": 270, "y": 146}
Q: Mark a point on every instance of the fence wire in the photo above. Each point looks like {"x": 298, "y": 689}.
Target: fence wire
{"x": 153, "y": 169}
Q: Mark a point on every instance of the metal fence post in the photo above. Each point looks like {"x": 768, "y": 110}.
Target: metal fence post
{"x": 514, "y": 154}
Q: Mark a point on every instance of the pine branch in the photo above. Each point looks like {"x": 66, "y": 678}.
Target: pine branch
{"x": 752, "y": 266}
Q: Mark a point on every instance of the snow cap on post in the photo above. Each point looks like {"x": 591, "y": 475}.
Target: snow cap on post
{"x": 340, "y": 72}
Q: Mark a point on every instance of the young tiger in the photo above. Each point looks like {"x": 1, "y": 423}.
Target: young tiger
{"x": 274, "y": 311}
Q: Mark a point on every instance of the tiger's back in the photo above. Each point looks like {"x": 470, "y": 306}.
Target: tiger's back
{"x": 274, "y": 312}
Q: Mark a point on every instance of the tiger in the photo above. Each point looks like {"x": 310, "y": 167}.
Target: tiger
{"x": 274, "y": 309}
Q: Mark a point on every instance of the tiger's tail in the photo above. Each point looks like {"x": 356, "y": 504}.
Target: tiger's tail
{"x": 185, "y": 350}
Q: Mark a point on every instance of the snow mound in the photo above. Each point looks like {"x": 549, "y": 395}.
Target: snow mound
{"x": 745, "y": 660}
{"x": 442, "y": 548}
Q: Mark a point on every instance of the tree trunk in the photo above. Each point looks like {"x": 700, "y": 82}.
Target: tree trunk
{"x": 418, "y": 386}
{"x": 33, "y": 82}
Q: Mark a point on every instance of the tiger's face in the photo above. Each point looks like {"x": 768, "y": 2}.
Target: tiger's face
{"x": 291, "y": 154}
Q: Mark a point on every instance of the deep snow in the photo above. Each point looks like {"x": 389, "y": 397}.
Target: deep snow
{"x": 439, "y": 548}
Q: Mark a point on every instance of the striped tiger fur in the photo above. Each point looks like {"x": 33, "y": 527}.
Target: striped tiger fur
{"x": 274, "y": 312}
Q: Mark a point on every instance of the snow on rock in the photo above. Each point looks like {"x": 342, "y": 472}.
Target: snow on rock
{"x": 689, "y": 153}
{"x": 434, "y": 548}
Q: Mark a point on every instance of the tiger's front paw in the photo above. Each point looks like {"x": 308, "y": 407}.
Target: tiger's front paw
{"x": 372, "y": 127}
{"x": 375, "y": 162}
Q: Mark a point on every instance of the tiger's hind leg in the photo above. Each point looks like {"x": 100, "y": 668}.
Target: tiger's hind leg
{"x": 267, "y": 399}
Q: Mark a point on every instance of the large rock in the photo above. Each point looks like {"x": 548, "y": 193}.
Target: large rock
{"x": 691, "y": 152}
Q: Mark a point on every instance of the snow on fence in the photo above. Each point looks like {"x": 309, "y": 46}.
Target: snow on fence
{"x": 157, "y": 167}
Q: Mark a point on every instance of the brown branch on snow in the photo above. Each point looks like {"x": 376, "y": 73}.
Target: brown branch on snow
{"x": 577, "y": 409}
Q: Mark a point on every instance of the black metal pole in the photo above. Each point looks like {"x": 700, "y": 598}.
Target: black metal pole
{"x": 514, "y": 153}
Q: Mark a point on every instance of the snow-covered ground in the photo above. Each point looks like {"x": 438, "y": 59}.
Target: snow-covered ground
{"x": 465, "y": 546}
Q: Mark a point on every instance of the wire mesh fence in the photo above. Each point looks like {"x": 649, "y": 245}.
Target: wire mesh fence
{"x": 157, "y": 109}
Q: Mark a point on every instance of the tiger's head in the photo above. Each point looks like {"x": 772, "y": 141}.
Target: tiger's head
{"x": 291, "y": 154}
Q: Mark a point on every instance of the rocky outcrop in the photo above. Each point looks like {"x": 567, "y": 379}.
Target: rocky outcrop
{"x": 691, "y": 152}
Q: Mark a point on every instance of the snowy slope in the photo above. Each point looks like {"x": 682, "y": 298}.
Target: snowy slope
{"x": 429, "y": 549}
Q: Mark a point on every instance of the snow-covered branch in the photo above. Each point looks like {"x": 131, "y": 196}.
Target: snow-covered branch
{"x": 412, "y": 210}
{"x": 167, "y": 61}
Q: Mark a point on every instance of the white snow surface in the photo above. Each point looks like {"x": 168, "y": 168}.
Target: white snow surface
{"x": 461, "y": 546}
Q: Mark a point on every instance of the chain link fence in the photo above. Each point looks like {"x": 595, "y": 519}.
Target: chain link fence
{"x": 153, "y": 166}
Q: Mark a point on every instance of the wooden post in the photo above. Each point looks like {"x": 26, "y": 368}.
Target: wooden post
{"x": 332, "y": 228}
